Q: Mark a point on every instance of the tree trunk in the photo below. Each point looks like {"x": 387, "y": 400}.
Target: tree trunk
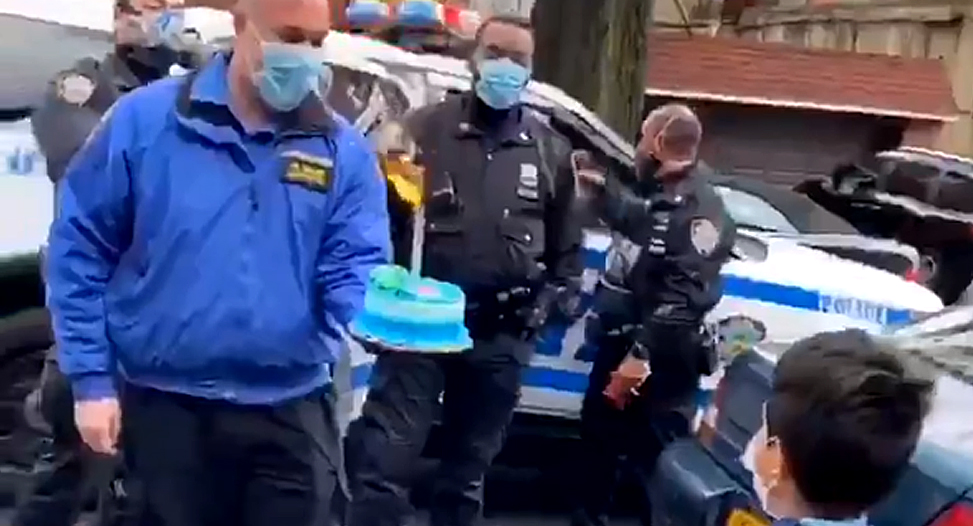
{"x": 595, "y": 50}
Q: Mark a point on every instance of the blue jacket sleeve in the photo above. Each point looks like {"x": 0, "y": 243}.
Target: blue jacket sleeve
{"x": 358, "y": 238}
{"x": 91, "y": 230}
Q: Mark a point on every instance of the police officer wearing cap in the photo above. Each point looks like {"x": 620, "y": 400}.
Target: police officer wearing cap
{"x": 671, "y": 235}
{"x": 499, "y": 223}
{"x": 149, "y": 45}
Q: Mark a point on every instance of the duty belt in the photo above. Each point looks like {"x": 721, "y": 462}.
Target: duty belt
{"x": 501, "y": 311}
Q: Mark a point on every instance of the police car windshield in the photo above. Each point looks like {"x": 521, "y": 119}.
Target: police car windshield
{"x": 749, "y": 211}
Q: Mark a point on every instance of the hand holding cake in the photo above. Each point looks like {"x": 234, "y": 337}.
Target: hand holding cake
{"x": 403, "y": 311}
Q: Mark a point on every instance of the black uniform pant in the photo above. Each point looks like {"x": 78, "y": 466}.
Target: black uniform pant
{"x": 635, "y": 435}
{"x": 70, "y": 473}
{"x": 479, "y": 389}
{"x": 211, "y": 463}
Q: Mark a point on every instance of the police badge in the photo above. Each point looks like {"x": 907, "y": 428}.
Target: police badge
{"x": 74, "y": 88}
{"x": 704, "y": 235}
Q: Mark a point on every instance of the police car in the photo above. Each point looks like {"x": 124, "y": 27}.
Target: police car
{"x": 777, "y": 291}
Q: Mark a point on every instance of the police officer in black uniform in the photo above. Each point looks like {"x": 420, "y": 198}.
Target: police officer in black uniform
{"x": 499, "y": 202}
{"x": 74, "y": 104}
{"x": 671, "y": 236}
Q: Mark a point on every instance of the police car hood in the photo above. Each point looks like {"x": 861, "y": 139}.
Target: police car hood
{"x": 790, "y": 263}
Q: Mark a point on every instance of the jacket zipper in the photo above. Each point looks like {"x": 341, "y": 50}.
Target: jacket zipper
{"x": 247, "y": 258}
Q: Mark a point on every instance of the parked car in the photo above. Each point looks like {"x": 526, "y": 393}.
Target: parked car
{"x": 920, "y": 197}
{"x": 702, "y": 481}
{"x": 759, "y": 205}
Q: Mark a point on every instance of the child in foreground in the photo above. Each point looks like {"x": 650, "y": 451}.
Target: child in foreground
{"x": 839, "y": 429}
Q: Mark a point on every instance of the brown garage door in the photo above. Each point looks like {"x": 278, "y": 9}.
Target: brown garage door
{"x": 783, "y": 146}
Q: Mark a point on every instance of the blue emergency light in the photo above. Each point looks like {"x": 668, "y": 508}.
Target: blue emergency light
{"x": 419, "y": 13}
{"x": 408, "y": 13}
{"x": 367, "y": 13}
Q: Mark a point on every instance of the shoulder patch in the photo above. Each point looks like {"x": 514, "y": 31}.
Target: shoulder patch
{"x": 704, "y": 235}
{"x": 310, "y": 171}
{"x": 75, "y": 88}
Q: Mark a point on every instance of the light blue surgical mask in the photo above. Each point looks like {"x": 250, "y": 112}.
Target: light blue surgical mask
{"x": 290, "y": 73}
{"x": 501, "y": 82}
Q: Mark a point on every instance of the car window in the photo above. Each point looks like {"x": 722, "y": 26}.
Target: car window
{"x": 749, "y": 211}
{"x": 955, "y": 191}
{"x": 910, "y": 178}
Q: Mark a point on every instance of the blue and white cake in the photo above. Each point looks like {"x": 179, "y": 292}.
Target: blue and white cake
{"x": 408, "y": 313}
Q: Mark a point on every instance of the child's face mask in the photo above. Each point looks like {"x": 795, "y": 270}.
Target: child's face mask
{"x": 763, "y": 458}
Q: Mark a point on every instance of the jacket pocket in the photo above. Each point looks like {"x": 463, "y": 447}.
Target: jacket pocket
{"x": 523, "y": 240}
{"x": 444, "y": 250}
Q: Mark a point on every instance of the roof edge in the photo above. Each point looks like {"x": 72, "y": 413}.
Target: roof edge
{"x": 801, "y": 105}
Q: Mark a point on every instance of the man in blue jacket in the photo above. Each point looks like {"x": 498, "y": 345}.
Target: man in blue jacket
{"x": 215, "y": 235}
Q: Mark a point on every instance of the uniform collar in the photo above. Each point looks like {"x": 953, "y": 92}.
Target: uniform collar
{"x": 129, "y": 72}
{"x": 203, "y": 106}
{"x": 514, "y": 130}
{"x": 211, "y": 85}
{"x": 122, "y": 75}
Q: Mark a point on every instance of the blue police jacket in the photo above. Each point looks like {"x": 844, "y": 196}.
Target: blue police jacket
{"x": 193, "y": 256}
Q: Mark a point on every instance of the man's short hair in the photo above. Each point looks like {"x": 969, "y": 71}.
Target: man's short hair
{"x": 847, "y": 412}
{"x": 510, "y": 19}
{"x": 676, "y": 127}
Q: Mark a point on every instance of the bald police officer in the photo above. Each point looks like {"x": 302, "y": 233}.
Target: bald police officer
{"x": 148, "y": 43}
{"x": 671, "y": 236}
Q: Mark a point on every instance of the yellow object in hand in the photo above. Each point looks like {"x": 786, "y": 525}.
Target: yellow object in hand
{"x": 406, "y": 178}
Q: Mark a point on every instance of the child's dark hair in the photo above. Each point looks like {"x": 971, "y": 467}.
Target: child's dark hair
{"x": 847, "y": 413}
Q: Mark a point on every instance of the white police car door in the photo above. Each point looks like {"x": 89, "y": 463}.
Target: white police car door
{"x": 26, "y": 194}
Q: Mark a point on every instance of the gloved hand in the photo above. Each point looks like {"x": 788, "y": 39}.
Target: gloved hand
{"x": 626, "y": 380}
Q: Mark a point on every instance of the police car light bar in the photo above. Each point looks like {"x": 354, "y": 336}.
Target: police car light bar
{"x": 378, "y": 15}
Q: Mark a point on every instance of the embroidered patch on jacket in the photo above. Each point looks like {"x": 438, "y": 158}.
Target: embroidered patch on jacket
{"x": 312, "y": 172}
{"x": 74, "y": 88}
{"x": 705, "y": 236}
